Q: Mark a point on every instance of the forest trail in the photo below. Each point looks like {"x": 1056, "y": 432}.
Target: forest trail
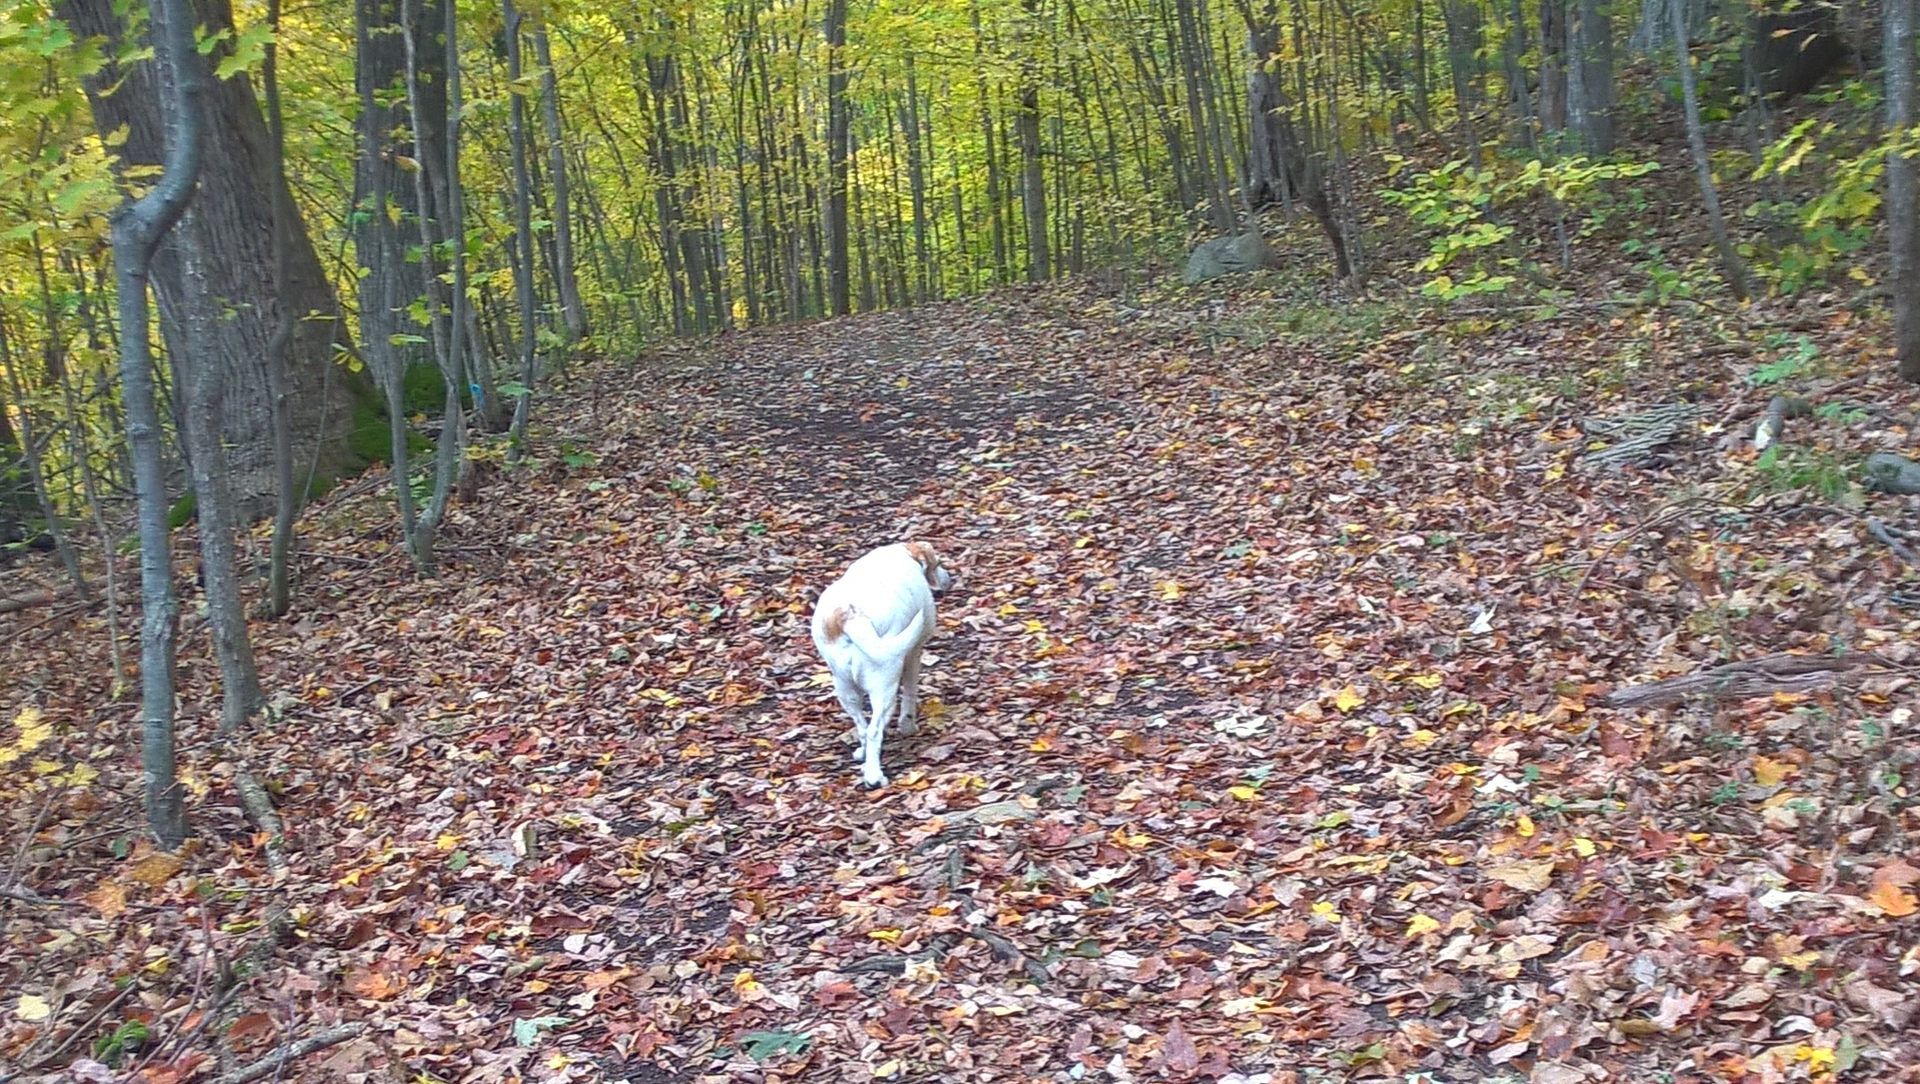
{"x": 1265, "y": 738}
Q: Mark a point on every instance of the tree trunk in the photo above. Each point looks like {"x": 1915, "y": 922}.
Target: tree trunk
{"x": 839, "y": 287}
{"x": 1033, "y": 179}
{"x": 288, "y": 498}
{"x": 1903, "y": 216}
{"x": 1730, "y": 262}
{"x": 240, "y": 691}
{"x": 179, "y": 93}
{"x": 236, "y": 204}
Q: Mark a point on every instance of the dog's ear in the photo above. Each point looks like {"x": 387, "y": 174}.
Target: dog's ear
{"x": 923, "y": 553}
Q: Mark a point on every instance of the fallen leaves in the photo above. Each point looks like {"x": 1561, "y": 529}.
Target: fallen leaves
{"x": 1260, "y": 732}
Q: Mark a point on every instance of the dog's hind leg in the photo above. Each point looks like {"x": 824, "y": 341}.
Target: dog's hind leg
{"x": 910, "y": 696}
{"x": 850, "y": 702}
{"x": 884, "y": 695}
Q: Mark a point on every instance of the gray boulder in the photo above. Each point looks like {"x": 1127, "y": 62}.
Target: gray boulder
{"x": 1227, "y": 256}
{"x": 1891, "y": 473}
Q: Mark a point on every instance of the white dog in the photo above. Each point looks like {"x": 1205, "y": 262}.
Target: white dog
{"x": 870, "y": 625}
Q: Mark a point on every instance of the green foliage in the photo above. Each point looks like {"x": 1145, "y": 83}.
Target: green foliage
{"x": 1797, "y": 355}
{"x": 1832, "y": 219}
{"x": 1470, "y": 211}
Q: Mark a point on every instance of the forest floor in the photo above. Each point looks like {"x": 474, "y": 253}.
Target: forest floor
{"x": 1267, "y": 740}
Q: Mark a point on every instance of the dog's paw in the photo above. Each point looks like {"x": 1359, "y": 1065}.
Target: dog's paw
{"x": 874, "y": 781}
{"x": 907, "y": 728}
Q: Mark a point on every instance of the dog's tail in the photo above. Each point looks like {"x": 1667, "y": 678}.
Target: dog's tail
{"x": 875, "y": 646}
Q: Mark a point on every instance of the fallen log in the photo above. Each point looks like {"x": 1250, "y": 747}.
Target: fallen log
{"x": 1784, "y": 673}
{"x": 28, "y": 601}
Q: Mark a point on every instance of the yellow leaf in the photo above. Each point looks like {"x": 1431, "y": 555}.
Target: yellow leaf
{"x": 447, "y": 841}
{"x": 1246, "y": 1006}
{"x": 1244, "y": 793}
{"x": 32, "y": 1008}
{"x": 155, "y": 869}
{"x": 1421, "y": 925}
{"x": 1818, "y": 1058}
{"x": 1584, "y": 847}
{"x": 902, "y": 382}
{"x": 1427, "y": 681}
{"x": 1325, "y": 909}
{"x": 1007, "y": 609}
{"x": 1800, "y": 961}
{"x": 748, "y": 987}
{"x": 1524, "y": 826}
{"x": 1041, "y": 744}
{"x": 33, "y": 728}
{"x": 1170, "y": 590}
{"x": 1769, "y": 772}
{"x": 81, "y": 775}
{"x": 1422, "y": 738}
{"x": 890, "y": 1067}
{"x": 1894, "y": 901}
{"x": 1349, "y": 698}
{"x": 889, "y": 935}
{"x": 1532, "y": 876}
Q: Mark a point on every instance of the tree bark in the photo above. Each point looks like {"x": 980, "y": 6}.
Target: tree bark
{"x": 236, "y": 204}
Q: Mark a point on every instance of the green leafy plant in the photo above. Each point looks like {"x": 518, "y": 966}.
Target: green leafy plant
{"x": 1471, "y": 208}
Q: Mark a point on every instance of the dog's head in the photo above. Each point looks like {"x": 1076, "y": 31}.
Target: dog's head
{"x": 930, "y": 566}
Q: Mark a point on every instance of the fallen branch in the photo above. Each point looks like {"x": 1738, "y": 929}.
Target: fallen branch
{"x": 277, "y": 1060}
{"x": 1764, "y": 676}
{"x": 1900, "y": 549}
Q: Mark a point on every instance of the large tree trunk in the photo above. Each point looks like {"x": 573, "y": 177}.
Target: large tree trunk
{"x": 234, "y": 223}
{"x": 1901, "y": 189}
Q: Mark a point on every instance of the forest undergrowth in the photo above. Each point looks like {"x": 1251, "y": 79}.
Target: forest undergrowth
{"x": 1269, "y": 738}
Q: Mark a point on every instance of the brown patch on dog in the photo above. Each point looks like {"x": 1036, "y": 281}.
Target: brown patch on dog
{"x": 836, "y": 622}
{"x": 922, "y": 553}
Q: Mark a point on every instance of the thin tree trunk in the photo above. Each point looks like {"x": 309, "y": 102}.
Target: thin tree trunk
{"x": 523, "y": 233}
{"x": 288, "y": 500}
{"x": 1903, "y": 217}
{"x": 572, "y": 310}
{"x": 241, "y": 695}
{"x": 838, "y": 137}
{"x": 138, "y": 228}
{"x": 1730, "y": 262}
{"x": 1033, "y": 179}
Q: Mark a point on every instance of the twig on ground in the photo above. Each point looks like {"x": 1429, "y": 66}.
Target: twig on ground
{"x": 272, "y": 1063}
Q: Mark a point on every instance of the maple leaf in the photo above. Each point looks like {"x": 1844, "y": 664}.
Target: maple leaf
{"x": 1349, "y": 699}
{"x": 1420, "y": 925}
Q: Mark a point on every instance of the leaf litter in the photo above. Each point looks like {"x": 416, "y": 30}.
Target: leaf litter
{"x": 1265, "y": 738}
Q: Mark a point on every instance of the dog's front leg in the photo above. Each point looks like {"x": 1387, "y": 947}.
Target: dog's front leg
{"x": 884, "y": 695}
